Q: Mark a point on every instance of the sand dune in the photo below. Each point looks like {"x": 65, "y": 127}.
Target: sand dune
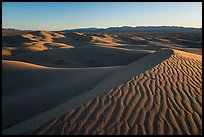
{"x": 75, "y": 39}
{"x": 177, "y": 47}
{"x": 105, "y": 40}
{"x": 57, "y": 45}
{"x": 90, "y": 56}
{"x": 34, "y": 83}
{"x": 6, "y": 52}
{"x": 43, "y": 36}
{"x": 113, "y": 40}
{"x": 166, "y": 99}
{"x": 132, "y": 40}
{"x": 33, "y": 41}
{"x": 44, "y": 40}
{"x": 10, "y": 65}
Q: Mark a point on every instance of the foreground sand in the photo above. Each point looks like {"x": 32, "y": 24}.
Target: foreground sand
{"x": 163, "y": 96}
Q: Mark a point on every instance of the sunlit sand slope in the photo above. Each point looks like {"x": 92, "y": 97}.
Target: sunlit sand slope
{"x": 166, "y": 99}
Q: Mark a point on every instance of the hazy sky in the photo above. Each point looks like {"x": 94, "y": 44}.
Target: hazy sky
{"x": 68, "y": 15}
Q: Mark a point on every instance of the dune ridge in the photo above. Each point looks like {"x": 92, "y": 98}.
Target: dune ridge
{"x": 10, "y": 65}
{"x": 166, "y": 99}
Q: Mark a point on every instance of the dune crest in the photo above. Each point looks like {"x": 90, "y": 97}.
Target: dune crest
{"x": 189, "y": 55}
{"x": 10, "y": 65}
{"x": 105, "y": 40}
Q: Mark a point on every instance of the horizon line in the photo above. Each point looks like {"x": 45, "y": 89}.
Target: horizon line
{"x": 103, "y": 27}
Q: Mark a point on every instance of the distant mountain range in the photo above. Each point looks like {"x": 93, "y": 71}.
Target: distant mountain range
{"x": 13, "y": 29}
{"x": 139, "y": 29}
{"x": 8, "y": 29}
{"x": 127, "y": 28}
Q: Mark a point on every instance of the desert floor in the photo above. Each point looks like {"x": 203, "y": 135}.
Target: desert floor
{"x": 102, "y": 83}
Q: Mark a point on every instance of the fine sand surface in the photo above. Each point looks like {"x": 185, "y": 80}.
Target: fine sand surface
{"x": 160, "y": 93}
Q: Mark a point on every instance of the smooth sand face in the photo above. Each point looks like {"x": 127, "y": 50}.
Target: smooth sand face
{"x": 26, "y": 85}
{"x": 102, "y": 84}
{"x": 86, "y": 56}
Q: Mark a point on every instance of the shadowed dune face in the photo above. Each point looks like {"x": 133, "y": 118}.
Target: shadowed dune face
{"x": 12, "y": 33}
{"x": 13, "y": 41}
{"x": 188, "y": 43}
{"x": 132, "y": 41}
{"x": 37, "y": 82}
{"x": 74, "y": 39}
{"x": 91, "y": 56}
{"x": 166, "y": 99}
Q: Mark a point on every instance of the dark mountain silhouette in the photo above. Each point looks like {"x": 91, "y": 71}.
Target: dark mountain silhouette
{"x": 13, "y": 29}
{"x": 140, "y": 29}
{"x": 173, "y": 29}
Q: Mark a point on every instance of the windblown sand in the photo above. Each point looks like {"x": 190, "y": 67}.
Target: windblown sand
{"x": 166, "y": 99}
